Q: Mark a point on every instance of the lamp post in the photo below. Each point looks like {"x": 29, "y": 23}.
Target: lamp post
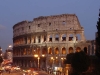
{"x": 52, "y": 62}
{"x": 62, "y": 62}
{"x": 38, "y": 57}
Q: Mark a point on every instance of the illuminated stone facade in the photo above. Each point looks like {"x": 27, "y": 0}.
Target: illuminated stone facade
{"x": 50, "y": 37}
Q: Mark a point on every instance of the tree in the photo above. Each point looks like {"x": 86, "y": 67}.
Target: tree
{"x": 1, "y": 59}
{"x": 80, "y": 62}
{"x": 98, "y": 37}
{"x": 69, "y": 58}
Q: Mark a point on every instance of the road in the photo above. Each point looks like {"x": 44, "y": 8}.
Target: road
{"x": 21, "y": 73}
{"x": 12, "y": 73}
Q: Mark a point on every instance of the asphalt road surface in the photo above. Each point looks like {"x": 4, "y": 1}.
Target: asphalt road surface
{"x": 21, "y": 73}
{"x": 12, "y": 73}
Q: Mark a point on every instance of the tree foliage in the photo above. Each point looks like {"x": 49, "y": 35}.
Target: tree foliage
{"x": 1, "y": 59}
{"x": 69, "y": 58}
{"x": 80, "y": 62}
{"x": 98, "y": 37}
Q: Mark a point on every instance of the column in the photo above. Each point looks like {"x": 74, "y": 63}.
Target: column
{"x": 67, "y": 38}
{"x": 53, "y": 37}
{"x": 60, "y": 37}
{"x": 36, "y": 39}
{"x": 47, "y": 39}
{"x": 82, "y": 36}
{"x": 74, "y": 37}
{"x": 41, "y": 38}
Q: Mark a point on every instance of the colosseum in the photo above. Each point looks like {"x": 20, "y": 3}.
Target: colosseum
{"x": 45, "y": 41}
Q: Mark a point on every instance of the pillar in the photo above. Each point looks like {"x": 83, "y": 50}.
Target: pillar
{"x": 82, "y": 36}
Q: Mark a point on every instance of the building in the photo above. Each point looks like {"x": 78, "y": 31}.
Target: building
{"x": 0, "y": 51}
{"x": 51, "y": 38}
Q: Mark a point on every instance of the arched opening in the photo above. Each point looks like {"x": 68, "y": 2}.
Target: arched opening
{"x": 63, "y": 50}
{"x": 78, "y": 49}
{"x": 49, "y": 50}
{"x": 56, "y": 51}
{"x": 64, "y": 37}
{"x": 85, "y": 50}
{"x": 50, "y": 38}
{"x": 33, "y": 51}
{"x": 56, "y": 37}
{"x": 44, "y": 51}
{"x": 44, "y": 39}
{"x": 71, "y": 50}
{"x": 71, "y": 37}
{"x": 78, "y": 37}
{"x": 56, "y": 61}
{"x": 38, "y": 51}
{"x": 24, "y": 51}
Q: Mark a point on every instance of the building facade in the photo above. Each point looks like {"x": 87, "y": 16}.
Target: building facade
{"x": 49, "y": 37}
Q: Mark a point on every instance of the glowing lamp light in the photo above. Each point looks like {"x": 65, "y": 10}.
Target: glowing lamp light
{"x": 35, "y": 55}
{"x": 10, "y": 45}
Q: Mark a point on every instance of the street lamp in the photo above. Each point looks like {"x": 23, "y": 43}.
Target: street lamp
{"x": 52, "y": 62}
{"x": 38, "y": 60}
{"x": 38, "y": 57}
{"x": 62, "y": 62}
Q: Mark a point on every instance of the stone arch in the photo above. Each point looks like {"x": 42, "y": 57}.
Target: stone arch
{"x": 64, "y": 37}
{"x": 50, "y": 62}
{"x": 63, "y": 50}
{"x": 56, "y": 61}
{"x": 71, "y": 37}
{"x": 24, "y": 51}
{"x": 78, "y": 49}
{"x": 78, "y": 37}
{"x": 49, "y": 50}
{"x": 50, "y": 38}
{"x": 38, "y": 50}
{"x": 56, "y": 50}
{"x": 57, "y": 37}
{"x": 44, "y": 50}
{"x": 71, "y": 50}
{"x": 85, "y": 50}
{"x": 33, "y": 51}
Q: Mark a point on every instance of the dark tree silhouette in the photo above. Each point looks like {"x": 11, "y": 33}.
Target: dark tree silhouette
{"x": 98, "y": 37}
{"x": 1, "y": 60}
{"x": 69, "y": 58}
{"x": 85, "y": 50}
{"x": 80, "y": 62}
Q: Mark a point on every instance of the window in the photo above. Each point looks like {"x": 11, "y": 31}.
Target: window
{"x": 29, "y": 27}
{"x": 63, "y": 22}
{"x": 38, "y": 25}
{"x": 49, "y": 24}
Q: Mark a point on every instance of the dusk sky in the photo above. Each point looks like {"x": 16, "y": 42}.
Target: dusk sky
{"x": 14, "y": 11}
